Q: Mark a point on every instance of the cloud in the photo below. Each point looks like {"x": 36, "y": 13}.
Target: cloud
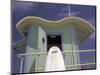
{"x": 24, "y": 6}
{"x": 92, "y": 21}
{"x": 63, "y": 14}
{"x": 93, "y": 36}
{"x": 74, "y": 13}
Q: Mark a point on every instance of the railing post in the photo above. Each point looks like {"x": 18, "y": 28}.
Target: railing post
{"x": 21, "y": 65}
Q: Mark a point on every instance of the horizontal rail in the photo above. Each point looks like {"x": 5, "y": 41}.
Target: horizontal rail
{"x": 79, "y": 51}
{"x": 86, "y": 64}
{"x": 45, "y": 53}
{"x": 81, "y": 64}
{"x": 28, "y": 54}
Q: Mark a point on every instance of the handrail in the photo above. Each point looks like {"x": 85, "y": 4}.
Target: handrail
{"x": 93, "y": 63}
{"x": 45, "y": 53}
{"x": 79, "y": 51}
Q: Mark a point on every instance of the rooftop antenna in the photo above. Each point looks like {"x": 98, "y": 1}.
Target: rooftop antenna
{"x": 69, "y": 13}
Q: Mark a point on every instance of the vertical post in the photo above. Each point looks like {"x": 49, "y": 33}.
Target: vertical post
{"x": 74, "y": 48}
{"x": 21, "y": 65}
{"x": 69, "y": 14}
{"x": 36, "y": 63}
{"x": 72, "y": 39}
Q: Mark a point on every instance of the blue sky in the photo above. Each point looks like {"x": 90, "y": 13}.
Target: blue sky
{"x": 51, "y": 12}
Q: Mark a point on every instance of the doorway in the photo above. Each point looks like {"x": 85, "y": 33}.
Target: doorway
{"x": 54, "y": 40}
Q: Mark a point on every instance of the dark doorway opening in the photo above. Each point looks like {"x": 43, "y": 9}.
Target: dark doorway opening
{"x": 54, "y": 40}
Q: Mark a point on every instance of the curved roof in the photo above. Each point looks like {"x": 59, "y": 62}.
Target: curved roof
{"x": 84, "y": 28}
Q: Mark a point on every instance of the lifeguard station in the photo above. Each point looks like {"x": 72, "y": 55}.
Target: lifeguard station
{"x": 41, "y": 34}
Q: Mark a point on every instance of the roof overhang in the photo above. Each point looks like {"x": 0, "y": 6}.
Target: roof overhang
{"x": 84, "y": 28}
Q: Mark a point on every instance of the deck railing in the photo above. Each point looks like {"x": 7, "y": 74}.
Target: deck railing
{"x": 23, "y": 55}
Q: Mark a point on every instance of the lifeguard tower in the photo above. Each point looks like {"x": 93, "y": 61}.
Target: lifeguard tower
{"x": 41, "y": 34}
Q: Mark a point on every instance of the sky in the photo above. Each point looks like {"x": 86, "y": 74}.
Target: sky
{"x": 51, "y": 11}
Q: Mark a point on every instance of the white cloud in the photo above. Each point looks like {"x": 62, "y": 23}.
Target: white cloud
{"x": 93, "y": 36}
{"x": 92, "y": 21}
{"x": 75, "y": 13}
{"x": 66, "y": 14}
{"x": 25, "y": 6}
